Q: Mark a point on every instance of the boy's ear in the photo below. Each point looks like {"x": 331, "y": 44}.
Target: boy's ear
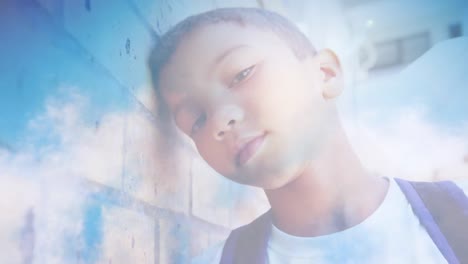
{"x": 330, "y": 74}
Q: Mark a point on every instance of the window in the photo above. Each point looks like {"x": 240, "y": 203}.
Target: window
{"x": 401, "y": 51}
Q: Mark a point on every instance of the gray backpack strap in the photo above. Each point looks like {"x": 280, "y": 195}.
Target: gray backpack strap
{"x": 442, "y": 208}
{"x": 248, "y": 244}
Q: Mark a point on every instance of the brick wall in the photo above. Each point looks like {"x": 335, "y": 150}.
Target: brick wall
{"x": 83, "y": 179}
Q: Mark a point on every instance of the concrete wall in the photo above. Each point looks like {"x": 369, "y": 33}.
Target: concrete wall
{"x": 82, "y": 176}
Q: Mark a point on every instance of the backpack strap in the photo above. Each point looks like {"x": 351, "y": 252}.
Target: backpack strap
{"x": 442, "y": 208}
{"x": 248, "y": 244}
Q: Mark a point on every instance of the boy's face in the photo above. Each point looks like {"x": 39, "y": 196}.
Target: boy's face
{"x": 256, "y": 113}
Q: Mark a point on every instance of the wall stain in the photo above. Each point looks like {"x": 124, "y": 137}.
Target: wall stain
{"x": 88, "y": 5}
{"x": 127, "y": 46}
{"x": 157, "y": 26}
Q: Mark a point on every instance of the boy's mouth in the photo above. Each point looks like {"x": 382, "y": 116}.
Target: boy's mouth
{"x": 248, "y": 150}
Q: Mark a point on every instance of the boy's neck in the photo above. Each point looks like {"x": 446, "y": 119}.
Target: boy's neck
{"x": 332, "y": 193}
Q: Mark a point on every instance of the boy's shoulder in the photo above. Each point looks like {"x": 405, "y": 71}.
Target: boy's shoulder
{"x": 212, "y": 255}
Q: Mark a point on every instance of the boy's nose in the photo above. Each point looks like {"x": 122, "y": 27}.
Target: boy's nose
{"x": 225, "y": 119}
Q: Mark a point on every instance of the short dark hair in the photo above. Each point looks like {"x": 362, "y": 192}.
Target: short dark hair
{"x": 167, "y": 44}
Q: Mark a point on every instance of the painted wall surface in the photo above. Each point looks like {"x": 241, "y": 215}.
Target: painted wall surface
{"x": 82, "y": 176}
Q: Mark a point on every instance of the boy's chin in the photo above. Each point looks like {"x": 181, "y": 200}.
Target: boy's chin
{"x": 265, "y": 178}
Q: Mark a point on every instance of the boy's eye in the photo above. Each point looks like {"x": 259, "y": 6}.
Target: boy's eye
{"x": 198, "y": 123}
{"x": 242, "y": 75}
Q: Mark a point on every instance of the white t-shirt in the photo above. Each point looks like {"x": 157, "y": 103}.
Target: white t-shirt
{"x": 392, "y": 234}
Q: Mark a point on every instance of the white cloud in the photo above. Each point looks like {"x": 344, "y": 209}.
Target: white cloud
{"x": 46, "y": 176}
{"x": 409, "y": 145}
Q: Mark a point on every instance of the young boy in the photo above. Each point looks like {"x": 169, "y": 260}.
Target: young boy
{"x": 257, "y": 100}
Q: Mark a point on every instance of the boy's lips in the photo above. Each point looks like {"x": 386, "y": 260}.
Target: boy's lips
{"x": 248, "y": 149}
